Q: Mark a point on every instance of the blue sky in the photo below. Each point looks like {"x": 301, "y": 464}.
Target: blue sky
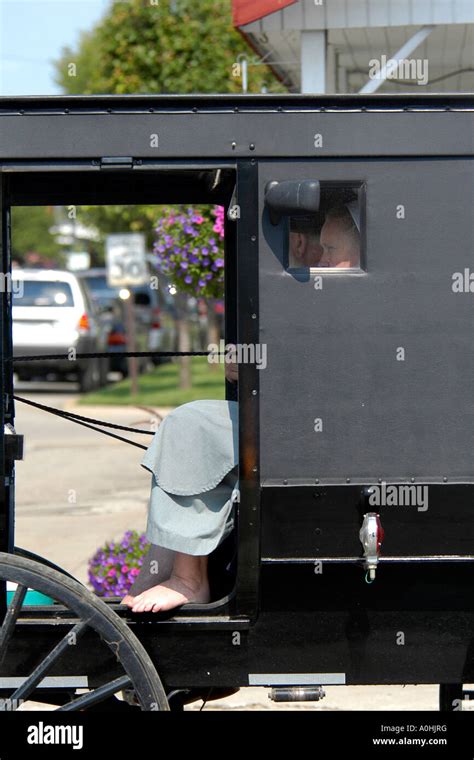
{"x": 32, "y": 35}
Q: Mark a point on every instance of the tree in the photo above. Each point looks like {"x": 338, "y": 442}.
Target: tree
{"x": 114, "y": 219}
{"x": 159, "y": 46}
{"x": 78, "y": 70}
{"x": 31, "y": 235}
{"x": 162, "y": 46}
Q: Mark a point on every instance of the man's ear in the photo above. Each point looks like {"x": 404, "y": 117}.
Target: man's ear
{"x": 299, "y": 245}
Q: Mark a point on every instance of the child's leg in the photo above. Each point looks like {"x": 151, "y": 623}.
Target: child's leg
{"x": 188, "y": 583}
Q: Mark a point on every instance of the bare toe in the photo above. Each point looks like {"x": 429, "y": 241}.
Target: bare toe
{"x": 168, "y": 595}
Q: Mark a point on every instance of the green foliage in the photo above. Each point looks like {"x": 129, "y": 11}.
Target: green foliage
{"x": 112, "y": 219}
{"x": 170, "y": 46}
{"x": 160, "y": 387}
{"x": 30, "y": 233}
{"x": 157, "y": 46}
{"x": 78, "y": 70}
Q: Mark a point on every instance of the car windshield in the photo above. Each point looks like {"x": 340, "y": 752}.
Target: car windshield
{"x": 100, "y": 289}
{"x": 102, "y": 293}
{"x": 41, "y": 293}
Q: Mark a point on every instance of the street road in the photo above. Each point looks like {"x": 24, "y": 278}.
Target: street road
{"x": 76, "y": 488}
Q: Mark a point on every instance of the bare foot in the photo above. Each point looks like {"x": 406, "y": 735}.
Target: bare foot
{"x": 172, "y": 593}
{"x": 188, "y": 582}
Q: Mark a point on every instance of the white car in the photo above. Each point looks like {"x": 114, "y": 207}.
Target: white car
{"x": 52, "y": 313}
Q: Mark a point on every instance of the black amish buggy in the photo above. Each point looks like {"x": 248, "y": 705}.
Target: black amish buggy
{"x": 353, "y": 557}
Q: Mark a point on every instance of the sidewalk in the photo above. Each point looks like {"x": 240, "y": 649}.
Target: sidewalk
{"x": 77, "y": 488}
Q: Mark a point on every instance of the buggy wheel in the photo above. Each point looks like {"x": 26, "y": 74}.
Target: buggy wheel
{"x": 89, "y": 614}
{"x": 20, "y": 552}
{"x": 104, "y": 372}
{"x": 89, "y": 376}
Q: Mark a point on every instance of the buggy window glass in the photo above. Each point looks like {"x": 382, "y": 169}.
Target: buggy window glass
{"x": 41, "y": 293}
{"x": 330, "y": 238}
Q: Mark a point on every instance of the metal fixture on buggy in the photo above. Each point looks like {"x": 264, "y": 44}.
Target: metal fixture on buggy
{"x": 371, "y": 536}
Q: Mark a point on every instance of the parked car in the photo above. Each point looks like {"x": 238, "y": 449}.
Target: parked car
{"x": 154, "y": 327}
{"x": 53, "y": 313}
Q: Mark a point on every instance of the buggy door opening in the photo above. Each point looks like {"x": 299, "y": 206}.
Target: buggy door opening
{"x": 95, "y": 183}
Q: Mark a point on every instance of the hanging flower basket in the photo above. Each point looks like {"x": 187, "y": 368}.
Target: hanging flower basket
{"x": 115, "y": 565}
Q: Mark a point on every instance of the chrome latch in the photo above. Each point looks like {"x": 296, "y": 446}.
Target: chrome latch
{"x": 371, "y": 536}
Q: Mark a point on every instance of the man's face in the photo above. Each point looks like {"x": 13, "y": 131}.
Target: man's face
{"x": 340, "y": 249}
{"x": 305, "y": 249}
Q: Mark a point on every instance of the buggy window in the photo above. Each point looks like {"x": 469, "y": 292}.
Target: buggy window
{"x": 330, "y": 238}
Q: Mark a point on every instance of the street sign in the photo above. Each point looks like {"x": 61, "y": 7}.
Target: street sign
{"x": 126, "y": 259}
{"x": 78, "y": 260}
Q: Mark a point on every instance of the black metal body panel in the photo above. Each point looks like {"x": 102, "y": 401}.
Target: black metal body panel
{"x": 332, "y": 352}
{"x": 412, "y": 625}
{"x": 249, "y": 449}
{"x": 376, "y": 134}
{"x": 302, "y": 522}
{"x": 271, "y": 126}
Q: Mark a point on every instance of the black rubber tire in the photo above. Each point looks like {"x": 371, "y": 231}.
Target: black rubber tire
{"x": 89, "y": 377}
{"x": 103, "y": 371}
{"x": 20, "y": 552}
{"x": 90, "y": 609}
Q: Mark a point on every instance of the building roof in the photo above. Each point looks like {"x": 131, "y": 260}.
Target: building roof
{"x": 361, "y": 30}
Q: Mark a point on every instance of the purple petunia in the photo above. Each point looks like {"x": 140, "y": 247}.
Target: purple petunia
{"x": 114, "y": 566}
{"x": 191, "y": 242}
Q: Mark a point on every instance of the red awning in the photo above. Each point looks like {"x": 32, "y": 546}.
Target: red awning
{"x": 246, "y": 11}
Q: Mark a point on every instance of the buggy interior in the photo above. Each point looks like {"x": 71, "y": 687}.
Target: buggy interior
{"x": 176, "y": 182}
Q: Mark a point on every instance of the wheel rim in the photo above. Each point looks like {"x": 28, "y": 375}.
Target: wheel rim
{"x": 20, "y": 552}
{"x": 93, "y": 614}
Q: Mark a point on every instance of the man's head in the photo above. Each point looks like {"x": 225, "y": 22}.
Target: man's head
{"x": 305, "y": 249}
{"x": 340, "y": 239}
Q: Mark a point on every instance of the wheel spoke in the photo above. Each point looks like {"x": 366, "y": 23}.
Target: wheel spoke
{"x": 88, "y": 612}
{"x": 11, "y": 616}
{"x": 92, "y": 697}
{"x": 40, "y": 671}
